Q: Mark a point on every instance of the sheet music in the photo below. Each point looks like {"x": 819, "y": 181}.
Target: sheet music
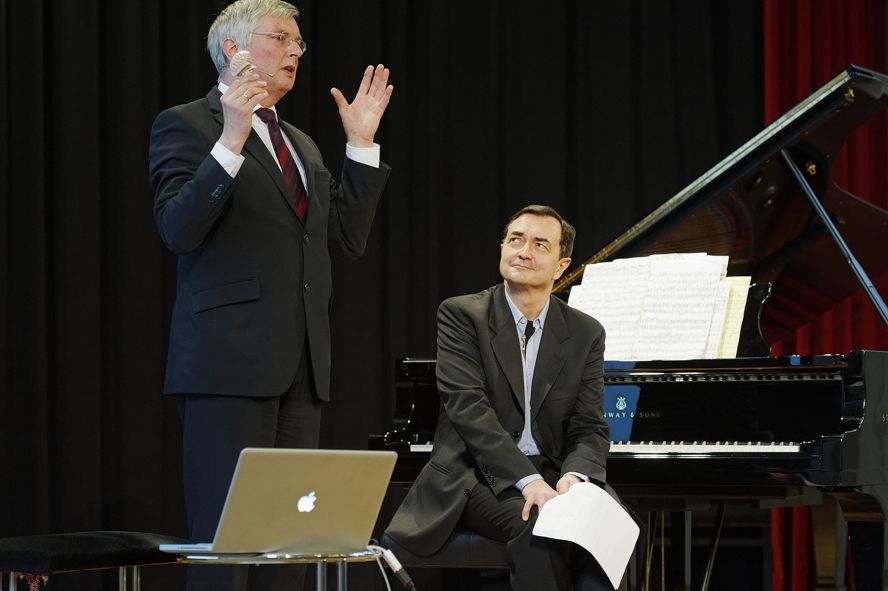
{"x": 665, "y": 306}
{"x": 678, "y": 308}
{"x": 616, "y": 292}
{"x": 736, "y": 305}
{"x": 716, "y": 328}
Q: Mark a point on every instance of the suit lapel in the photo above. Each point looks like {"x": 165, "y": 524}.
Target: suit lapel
{"x": 258, "y": 150}
{"x": 504, "y": 341}
{"x": 214, "y": 99}
{"x": 550, "y": 356}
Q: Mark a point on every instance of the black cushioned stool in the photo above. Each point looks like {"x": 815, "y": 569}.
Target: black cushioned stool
{"x": 35, "y": 558}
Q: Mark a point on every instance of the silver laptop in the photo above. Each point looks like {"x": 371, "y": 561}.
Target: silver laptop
{"x": 299, "y": 501}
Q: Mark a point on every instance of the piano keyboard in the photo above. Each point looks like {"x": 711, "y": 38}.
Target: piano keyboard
{"x": 703, "y": 447}
{"x": 683, "y": 447}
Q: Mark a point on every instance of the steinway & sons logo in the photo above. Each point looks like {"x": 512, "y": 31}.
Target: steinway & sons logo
{"x": 622, "y": 411}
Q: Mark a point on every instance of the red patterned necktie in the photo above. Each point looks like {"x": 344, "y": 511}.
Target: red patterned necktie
{"x": 292, "y": 179}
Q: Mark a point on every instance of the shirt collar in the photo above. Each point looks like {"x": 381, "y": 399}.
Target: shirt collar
{"x": 519, "y": 317}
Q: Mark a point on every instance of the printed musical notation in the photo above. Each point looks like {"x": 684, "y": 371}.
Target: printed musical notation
{"x": 665, "y": 306}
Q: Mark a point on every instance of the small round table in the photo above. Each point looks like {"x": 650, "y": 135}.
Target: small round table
{"x": 321, "y": 560}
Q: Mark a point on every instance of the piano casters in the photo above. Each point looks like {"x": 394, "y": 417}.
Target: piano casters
{"x": 681, "y": 537}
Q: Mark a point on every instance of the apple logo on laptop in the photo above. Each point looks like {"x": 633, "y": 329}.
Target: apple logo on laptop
{"x": 306, "y": 503}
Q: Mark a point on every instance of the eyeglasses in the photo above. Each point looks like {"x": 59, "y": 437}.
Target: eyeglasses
{"x": 283, "y": 39}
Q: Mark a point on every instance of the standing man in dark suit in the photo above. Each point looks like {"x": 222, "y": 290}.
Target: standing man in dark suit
{"x": 521, "y": 381}
{"x": 246, "y": 202}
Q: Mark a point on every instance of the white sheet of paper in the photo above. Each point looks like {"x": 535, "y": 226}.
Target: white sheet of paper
{"x": 614, "y": 293}
{"x": 588, "y": 516}
{"x": 717, "y": 327}
{"x": 739, "y": 290}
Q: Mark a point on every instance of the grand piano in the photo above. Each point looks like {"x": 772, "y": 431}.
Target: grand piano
{"x": 757, "y": 430}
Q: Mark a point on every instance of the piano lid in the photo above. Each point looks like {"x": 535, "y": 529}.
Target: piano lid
{"x": 751, "y": 207}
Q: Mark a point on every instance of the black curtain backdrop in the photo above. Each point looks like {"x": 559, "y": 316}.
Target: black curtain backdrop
{"x": 600, "y": 109}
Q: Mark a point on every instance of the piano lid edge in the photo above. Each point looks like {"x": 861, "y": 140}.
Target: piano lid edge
{"x": 721, "y": 175}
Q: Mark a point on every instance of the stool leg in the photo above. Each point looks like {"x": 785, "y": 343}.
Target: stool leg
{"x": 342, "y": 576}
{"x": 137, "y": 579}
{"x": 322, "y": 576}
{"x": 121, "y": 578}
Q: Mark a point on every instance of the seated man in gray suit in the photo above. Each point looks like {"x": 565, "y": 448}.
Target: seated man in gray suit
{"x": 521, "y": 380}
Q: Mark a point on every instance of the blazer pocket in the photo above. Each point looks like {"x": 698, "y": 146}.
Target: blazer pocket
{"x": 223, "y": 295}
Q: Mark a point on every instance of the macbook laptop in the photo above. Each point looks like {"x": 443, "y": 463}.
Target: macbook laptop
{"x": 299, "y": 501}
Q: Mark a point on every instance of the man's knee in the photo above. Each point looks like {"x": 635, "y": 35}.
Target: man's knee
{"x": 518, "y": 528}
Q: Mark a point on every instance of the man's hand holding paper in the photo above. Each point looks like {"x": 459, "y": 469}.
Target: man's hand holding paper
{"x": 590, "y": 517}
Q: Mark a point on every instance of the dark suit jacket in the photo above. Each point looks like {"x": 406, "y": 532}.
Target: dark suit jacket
{"x": 253, "y": 282}
{"x": 481, "y": 383}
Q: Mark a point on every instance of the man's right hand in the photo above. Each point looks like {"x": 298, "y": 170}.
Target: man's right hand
{"x": 536, "y": 493}
{"x": 238, "y": 102}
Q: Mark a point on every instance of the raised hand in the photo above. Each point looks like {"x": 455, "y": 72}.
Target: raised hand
{"x": 244, "y": 93}
{"x": 361, "y": 117}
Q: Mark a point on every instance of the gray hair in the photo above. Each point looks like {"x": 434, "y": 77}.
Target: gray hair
{"x": 238, "y": 21}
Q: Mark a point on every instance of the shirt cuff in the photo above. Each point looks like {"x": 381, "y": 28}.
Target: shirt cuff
{"x": 527, "y": 480}
{"x": 367, "y": 156}
{"x": 227, "y": 159}
{"x": 582, "y": 477}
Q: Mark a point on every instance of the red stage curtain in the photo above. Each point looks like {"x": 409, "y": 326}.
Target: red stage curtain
{"x": 806, "y": 43}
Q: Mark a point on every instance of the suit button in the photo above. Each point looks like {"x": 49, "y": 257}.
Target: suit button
{"x": 467, "y": 492}
{"x": 516, "y": 434}
{"x": 306, "y": 287}
{"x": 306, "y": 239}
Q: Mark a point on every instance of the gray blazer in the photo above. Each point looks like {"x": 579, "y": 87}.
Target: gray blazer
{"x": 480, "y": 380}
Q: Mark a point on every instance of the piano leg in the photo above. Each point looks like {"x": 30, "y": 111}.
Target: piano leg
{"x": 830, "y": 544}
{"x": 866, "y": 554}
{"x": 862, "y": 514}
